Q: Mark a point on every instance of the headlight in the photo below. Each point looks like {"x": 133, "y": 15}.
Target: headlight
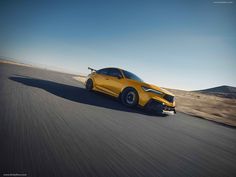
{"x": 146, "y": 89}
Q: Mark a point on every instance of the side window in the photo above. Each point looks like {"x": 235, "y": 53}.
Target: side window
{"x": 114, "y": 72}
{"x": 102, "y": 71}
{"x": 132, "y": 76}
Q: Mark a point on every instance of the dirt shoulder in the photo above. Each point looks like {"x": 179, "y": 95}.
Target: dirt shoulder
{"x": 14, "y": 63}
{"x": 211, "y": 107}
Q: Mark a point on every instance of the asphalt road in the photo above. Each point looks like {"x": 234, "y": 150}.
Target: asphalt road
{"x": 51, "y": 126}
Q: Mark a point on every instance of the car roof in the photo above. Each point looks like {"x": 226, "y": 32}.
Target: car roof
{"x": 112, "y": 68}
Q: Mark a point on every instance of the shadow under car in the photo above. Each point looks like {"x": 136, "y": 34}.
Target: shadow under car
{"x": 76, "y": 94}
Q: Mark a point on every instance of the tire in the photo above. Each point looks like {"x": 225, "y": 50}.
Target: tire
{"x": 129, "y": 97}
{"x": 154, "y": 107}
{"x": 89, "y": 85}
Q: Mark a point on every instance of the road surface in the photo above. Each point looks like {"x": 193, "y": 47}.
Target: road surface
{"x": 51, "y": 126}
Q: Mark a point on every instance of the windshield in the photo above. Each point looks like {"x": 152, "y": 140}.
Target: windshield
{"x": 132, "y": 76}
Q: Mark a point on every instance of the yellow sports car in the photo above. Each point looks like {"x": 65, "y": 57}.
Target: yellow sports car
{"x": 131, "y": 90}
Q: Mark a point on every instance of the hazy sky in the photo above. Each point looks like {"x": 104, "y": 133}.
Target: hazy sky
{"x": 177, "y": 44}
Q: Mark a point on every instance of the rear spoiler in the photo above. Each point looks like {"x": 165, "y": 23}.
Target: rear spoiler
{"x": 92, "y": 70}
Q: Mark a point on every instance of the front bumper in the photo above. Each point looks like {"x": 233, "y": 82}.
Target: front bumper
{"x": 167, "y": 108}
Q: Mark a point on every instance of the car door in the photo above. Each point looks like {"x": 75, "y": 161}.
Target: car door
{"x": 100, "y": 78}
{"x": 114, "y": 81}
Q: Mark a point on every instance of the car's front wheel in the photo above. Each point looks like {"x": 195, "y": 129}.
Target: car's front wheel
{"x": 89, "y": 84}
{"x": 154, "y": 107}
{"x": 129, "y": 97}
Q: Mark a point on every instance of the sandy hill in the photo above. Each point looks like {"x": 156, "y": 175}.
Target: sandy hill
{"x": 223, "y": 91}
{"x": 206, "y": 105}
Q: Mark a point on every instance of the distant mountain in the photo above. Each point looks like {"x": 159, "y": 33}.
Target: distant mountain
{"x": 223, "y": 91}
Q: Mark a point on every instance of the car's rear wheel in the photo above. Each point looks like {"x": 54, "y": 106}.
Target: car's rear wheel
{"x": 89, "y": 84}
{"x": 129, "y": 97}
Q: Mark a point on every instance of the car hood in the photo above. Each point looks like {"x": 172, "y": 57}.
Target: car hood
{"x": 157, "y": 88}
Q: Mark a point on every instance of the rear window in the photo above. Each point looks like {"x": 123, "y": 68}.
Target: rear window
{"x": 102, "y": 71}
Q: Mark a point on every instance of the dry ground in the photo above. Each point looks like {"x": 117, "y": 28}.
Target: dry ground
{"x": 218, "y": 109}
{"x": 14, "y": 63}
